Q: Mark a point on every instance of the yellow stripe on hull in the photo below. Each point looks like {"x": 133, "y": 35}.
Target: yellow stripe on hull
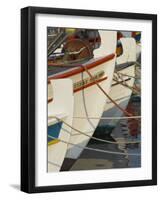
{"x": 55, "y": 141}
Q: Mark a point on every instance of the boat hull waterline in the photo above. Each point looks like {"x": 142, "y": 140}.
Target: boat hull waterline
{"x": 119, "y": 92}
{"x": 62, "y": 108}
{"x": 88, "y": 99}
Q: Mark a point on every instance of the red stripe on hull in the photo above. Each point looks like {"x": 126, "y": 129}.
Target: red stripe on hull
{"x": 84, "y": 87}
{"x": 90, "y": 84}
{"x": 81, "y": 68}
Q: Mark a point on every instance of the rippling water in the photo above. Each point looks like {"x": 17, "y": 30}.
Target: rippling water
{"x": 125, "y": 130}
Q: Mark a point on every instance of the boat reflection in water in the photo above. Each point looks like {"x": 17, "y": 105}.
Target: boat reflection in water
{"x": 125, "y": 130}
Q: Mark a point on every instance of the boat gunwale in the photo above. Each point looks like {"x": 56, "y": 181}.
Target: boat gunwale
{"x": 81, "y": 68}
{"x": 83, "y": 87}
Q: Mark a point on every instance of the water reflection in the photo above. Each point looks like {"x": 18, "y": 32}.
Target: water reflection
{"x": 124, "y": 130}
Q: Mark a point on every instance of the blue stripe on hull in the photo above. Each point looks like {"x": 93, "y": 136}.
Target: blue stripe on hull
{"x": 54, "y": 131}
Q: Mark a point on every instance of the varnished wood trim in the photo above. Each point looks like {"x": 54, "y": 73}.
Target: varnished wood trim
{"x": 90, "y": 84}
{"x": 84, "y": 87}
{"x": 81, "y": 68}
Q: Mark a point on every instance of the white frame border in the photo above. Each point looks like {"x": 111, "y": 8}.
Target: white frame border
{"x": 94, "y": 176}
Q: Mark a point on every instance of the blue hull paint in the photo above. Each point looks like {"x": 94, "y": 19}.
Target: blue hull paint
{"x": 54, "y": 131}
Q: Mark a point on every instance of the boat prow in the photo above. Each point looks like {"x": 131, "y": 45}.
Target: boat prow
{"x": 123, "y": 82}
{"x": 129, "y": 51}
{"x": 108, "y": 43}
{"x": 60, "y": 110}
{"x": 90, "y": 101}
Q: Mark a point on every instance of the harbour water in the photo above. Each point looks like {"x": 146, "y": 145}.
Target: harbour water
{"x": 125, "y": 130}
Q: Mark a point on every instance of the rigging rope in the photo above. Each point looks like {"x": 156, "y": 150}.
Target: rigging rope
{"x": 95, "y": 138}
{"x": 123, "y": 83}
{"x": 98, "y": 150}
{"x": 98, "y": 85}
{"x": 104, "y": 118}
{"x": 120, "y": 73}
{"x": 52, "y": 163}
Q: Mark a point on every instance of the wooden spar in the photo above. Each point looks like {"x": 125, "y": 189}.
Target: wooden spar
{"x": 126, "y": 75}
{"x": 123, "y": 83}
{"x": 117, "y": 83}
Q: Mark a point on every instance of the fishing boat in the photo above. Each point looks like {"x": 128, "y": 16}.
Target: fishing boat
{"x": 89, "y": 100}
{"x": 123, "y": 82}
{"x": 60, "y": 108}
{"x": 137, "y": 36}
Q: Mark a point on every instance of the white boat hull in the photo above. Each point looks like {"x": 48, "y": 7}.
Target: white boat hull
{"x": 121, "y": 95}
{"x": 88, "y": 102}
{"x": 62, "y": 108}
{"x": 138, "y": 52}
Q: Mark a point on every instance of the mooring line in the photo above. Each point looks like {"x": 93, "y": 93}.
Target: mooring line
{"x": 95, "y": 138}
{"x": 97, "y": 150}
{"x": 105, "y": 93}
{"x": 120, "y": 73}
{"x": 104, "y": 118}
{"x": 123, "y": 83}
{"x": 52, "y": 163}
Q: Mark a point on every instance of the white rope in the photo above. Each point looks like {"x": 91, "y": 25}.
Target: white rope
{"x": 95, "y": 138}
{"x": 98, "y": 150}
{"x": 105, "y": 93}
{"x": 132, "y": 117}
{"x": 52, "y": 163}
